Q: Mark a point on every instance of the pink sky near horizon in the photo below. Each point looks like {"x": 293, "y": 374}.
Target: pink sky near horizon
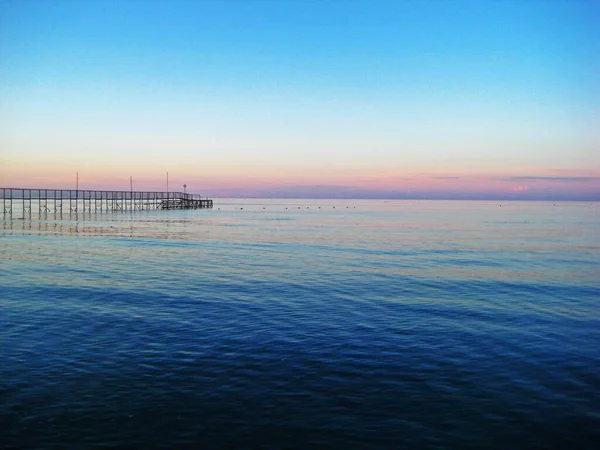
{"x": 348, "y": 183}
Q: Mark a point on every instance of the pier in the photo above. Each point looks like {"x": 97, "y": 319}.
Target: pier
{"x": 44, "y": 201}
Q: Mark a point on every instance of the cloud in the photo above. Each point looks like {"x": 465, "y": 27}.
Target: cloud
{"x": 443, "y": 178}
{"x": 533, "y": 179}
{"x": 519, "y": 188}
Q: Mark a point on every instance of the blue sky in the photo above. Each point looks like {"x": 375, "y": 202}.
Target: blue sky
{"x": 258, "y": 97}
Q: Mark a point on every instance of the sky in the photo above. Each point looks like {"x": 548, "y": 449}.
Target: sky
{"x": 306, "y": 99}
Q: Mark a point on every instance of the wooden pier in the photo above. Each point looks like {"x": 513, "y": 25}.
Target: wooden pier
{"x": 44, "y": 201}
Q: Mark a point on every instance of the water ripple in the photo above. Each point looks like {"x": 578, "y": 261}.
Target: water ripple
{"x": 389, "y": 325}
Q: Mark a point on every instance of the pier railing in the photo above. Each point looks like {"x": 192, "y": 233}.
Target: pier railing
{"x": 45, "y": 201}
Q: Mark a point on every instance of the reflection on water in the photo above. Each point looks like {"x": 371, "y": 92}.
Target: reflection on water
{"x": 115, "y": 224}
{"x": 300, "y": 324}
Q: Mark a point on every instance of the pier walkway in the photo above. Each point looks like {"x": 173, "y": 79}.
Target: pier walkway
{"x": 15, "y": 200}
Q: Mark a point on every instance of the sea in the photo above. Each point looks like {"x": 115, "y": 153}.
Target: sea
{"x": 278, "y": 324}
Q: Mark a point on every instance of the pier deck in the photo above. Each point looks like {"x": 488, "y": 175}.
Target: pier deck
{"x": 15, "y": 200}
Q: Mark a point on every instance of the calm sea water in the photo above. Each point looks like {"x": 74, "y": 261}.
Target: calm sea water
{"x": 356, "y": 324}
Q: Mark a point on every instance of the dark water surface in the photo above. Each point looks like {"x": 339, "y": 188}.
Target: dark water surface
{"x": 369, "y": 325}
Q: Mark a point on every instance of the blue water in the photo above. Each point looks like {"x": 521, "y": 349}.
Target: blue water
{"x": 351, "y": 324}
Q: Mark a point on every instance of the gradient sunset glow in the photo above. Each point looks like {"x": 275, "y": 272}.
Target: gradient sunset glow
{"x": 304, "y": 99}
